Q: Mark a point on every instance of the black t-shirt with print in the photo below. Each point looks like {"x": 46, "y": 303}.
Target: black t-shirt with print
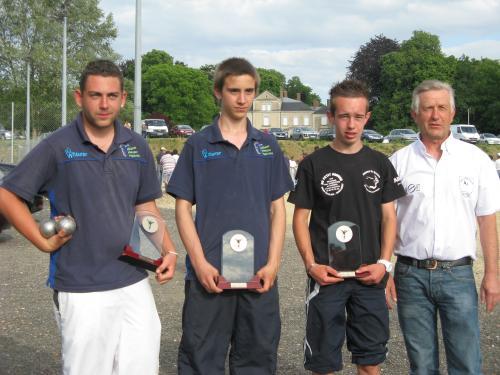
{"x": 346, "y": 187}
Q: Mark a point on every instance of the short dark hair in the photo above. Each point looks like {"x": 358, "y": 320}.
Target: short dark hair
{"x": 349, "y": 88}
{"x": 104, "y": 68}
{"x": 234, "y": 66}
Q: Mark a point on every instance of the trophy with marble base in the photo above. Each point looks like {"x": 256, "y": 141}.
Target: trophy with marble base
{"x": 145, "y": 247}
{"x": 237, "y": 266}
{"x": 344, "y": 248}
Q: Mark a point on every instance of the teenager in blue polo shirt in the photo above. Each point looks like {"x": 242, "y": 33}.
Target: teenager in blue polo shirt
{"x": 100, "y": 173}
{"x": 346, "y": 181}
{"x": 236, "y": 176}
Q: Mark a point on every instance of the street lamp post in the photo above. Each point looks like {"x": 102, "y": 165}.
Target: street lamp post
{"x": 137, "y": 83}
{"x": 64, "y": 65}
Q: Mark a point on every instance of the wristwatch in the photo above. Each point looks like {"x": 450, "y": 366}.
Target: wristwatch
{"x": 386, "y": 263}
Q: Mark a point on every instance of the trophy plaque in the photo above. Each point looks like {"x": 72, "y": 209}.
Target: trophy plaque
{"x": 237, "y": 266}
{"x": 145, "y": 247}
{"x": 344, "y": 248}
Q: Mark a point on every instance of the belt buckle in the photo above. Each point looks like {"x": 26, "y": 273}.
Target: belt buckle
{"x": 433, "y": 264}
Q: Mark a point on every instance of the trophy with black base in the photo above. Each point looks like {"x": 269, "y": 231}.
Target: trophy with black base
{"x": 237, "y": 266}
{"x": 344, "y": 248}
{"x": 145, "y": 247}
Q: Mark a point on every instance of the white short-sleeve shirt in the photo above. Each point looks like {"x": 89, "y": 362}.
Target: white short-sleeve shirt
{"x": 437, "y": 217}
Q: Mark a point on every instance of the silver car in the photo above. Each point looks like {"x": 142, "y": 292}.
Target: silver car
{"x": 402, "y": 135}
{"x": 303, "y": 132}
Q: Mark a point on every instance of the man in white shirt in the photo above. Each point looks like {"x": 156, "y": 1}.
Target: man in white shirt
{"x": 450, "y": 186}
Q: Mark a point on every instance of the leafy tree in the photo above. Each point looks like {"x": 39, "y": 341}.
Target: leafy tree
{"x": 128, "y": 68}
{"x": 182, "y": 93}
{"x": 31, "y": 32}
{"x": 418, "y": 59}
{"x": 209, "y": 70}
{"x": 155, "y": 57}
{"x": 294, "y": 86}
{"x": 271, "y": 80}
{"x": 476, "y": 91}
{"x": 366, "y": 64}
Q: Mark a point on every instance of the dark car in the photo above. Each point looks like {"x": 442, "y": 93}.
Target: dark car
{"x": 34, "y": 206}
{"x": 302, "y": 133}
{"x": 278, "y": 133}
{"x": 370, "y": 135}
{"x": 181, "y": 131}
{"x": 328, "y": 134}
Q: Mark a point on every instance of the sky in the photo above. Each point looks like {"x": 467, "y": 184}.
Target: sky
{"x": 312, "y": 39}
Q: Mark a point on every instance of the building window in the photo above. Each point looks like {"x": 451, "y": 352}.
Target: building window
{"x": 324, "y": 120}
{"x": 306, "y": 121}
{"x": 284, "y": 121}
{"x": 266, "y": 121}
{"x": 295, "y": 121}
{"x": 266, "y": 107}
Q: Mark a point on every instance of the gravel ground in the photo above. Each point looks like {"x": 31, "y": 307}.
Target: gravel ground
{"x": 30, "y": 344}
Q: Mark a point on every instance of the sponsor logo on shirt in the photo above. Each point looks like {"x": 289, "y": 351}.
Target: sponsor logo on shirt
{"x": 332, "y": 184}
{"x": 263, "y": 149}
{"x": 371, "y": 181}
{"x": 412, "y": 188}
{"x": 70, "y": 154}
{"x": 207, "y": 155}
{"x": 129, "y": 151}
{"x": 466, "y": 186}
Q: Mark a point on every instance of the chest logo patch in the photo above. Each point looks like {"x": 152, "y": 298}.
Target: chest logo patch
{"x": 466, "y": 186}
{"x": 332, "y": 184}
{"x": 371, "y": 181}
{"x": 207, "y": 155}
{"x": 129, "y": 151}
{"x": 263, "y": 149}
{"x": 70, "y": 154}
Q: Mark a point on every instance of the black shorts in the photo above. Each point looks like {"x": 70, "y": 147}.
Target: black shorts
{"x": 366, "y": 326}
{"x": 247, "y": 321}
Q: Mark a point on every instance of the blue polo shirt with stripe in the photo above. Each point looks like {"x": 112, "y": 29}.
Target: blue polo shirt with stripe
{"x": 100, "y": 190}
{"x": 232, "y": 189}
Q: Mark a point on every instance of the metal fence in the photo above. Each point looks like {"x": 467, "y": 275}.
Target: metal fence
{"x": 44, "y": 119}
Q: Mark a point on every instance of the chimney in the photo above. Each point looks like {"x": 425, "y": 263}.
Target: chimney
{"x": 285, "y": 93}
{"x": 315, "y": 103}
{"x": 299, "y": 96}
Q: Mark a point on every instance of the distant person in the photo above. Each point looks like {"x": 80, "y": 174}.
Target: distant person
{"x": 237, "y": 177}
{"x": 101, "y": 174}
{"x": 497, "y": 164}
{"x": 175, "y": 154}
{"x": 167, "y": 164}
{"x": 351, "y": 187}
{"x": 127, "y": 125}
{"x": 160, "y": 154}
{"x": 451, "y": 186}
{"x": 293, "y": 168}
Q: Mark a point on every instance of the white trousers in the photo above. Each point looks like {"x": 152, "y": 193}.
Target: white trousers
{"x": 112, "y": 332}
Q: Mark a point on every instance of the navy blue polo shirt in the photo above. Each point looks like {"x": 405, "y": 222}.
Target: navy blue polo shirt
{"x": 100, "y": 190}
{"x": 231, "y": 188}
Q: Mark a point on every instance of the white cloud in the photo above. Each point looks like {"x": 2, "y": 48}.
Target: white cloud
{"x": 313, "y": 40}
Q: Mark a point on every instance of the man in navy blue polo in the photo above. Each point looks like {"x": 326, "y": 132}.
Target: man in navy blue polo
{"x": 236, "y": 176}
{"x": 100, "y": 173}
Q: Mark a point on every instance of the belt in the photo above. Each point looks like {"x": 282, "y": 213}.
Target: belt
{"x": 432, "y": 264}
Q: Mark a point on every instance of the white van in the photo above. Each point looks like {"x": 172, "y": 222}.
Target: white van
{"x": 467, "y": 133}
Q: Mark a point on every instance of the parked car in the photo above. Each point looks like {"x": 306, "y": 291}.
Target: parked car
{"x": 154, "y": 128}
{"x": 181, "y": 131}
{"x": 489, "y": 138}
{"x": 328, "y": 134}
{"x": 402, "y": 135}
{"x": 370, "y": 135}
{"x": 4, "y": 133}
{"x": 278, "y": 133}
{"x": 466, "y": 133}
{"x": 34, "y": 206}
{"x": 303, "y": 132}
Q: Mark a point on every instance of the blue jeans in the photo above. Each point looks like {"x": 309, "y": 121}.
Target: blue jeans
{"x": 451, "y": 292}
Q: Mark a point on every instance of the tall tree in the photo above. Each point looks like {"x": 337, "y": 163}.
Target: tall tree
{"x": 209, "y": 70}
{"x": 155, "y": 57}
{"x": 366, "y": 64}
{"x": 294, "y": 86}
{"x": 419, "y": 58}
{"x": 271, "y": 80}
{"x": 182, "y": 93}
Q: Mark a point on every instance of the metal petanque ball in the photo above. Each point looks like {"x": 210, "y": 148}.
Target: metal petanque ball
{"x": 48, "y": 228}
{"x": 67, "y": 223}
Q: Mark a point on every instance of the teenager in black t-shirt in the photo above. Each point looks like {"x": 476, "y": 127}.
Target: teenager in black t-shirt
{"x": 346, "y": 181}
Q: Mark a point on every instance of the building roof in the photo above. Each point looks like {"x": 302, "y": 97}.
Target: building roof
{"x": 321, "y": 110}
{"x": 288, "y": 104}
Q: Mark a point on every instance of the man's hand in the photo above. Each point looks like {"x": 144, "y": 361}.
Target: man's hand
{"x": 490, "y": 292}
{"x": 267, "y": 275}
{"x": 208, "y": 276}
{"x": 371, "y": 274}
{"x": 165, "y": 271}
{"x": 56, "y": 241}
{"x": 390, "y": 293}
{"x": 324, "y": 275}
